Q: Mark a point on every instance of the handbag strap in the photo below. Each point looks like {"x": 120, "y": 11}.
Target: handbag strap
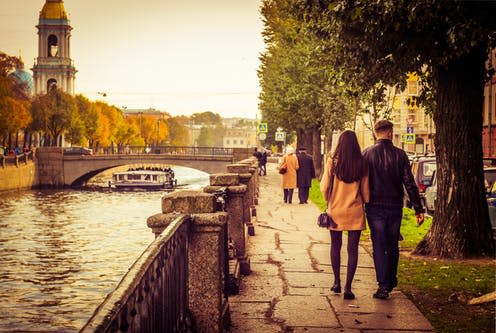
{"x": 331, "y": 181}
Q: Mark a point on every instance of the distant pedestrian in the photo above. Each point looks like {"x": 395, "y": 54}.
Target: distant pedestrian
{"x": 304, "y": 175}
{"x": 258, "y": 155}
{"x": 263, "y": 163}
{"x": 389, "y": 173}
{"x": 290, "y": 163}
{"x": 347, "y": 169}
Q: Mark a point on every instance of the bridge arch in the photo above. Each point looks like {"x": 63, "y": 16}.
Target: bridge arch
{"x": 79, "y": 169}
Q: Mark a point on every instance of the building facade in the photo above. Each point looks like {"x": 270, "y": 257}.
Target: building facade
{"x": 489, "y": 115}
{"x": 413, "y": 129}
{"x": 240, "y": 138}
{"x": 54, "y": 66}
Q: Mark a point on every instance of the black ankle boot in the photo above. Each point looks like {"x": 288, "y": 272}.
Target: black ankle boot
{"x": 348, "y": 295}
{"x": 336, "y": 288}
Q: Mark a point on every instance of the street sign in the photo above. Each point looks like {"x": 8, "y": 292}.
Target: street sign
{"x": 263, "y": 128}
{"x": 409, "y": 129}
{"x": 262, "y": 136}
{"x": 280, "y": 136}
{"x": 408, "y": 138}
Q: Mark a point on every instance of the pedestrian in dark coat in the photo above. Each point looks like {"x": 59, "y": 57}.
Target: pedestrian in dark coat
{"x": 304, "y": 175}
{"x": 259, "y": 157}
{"x": 262, "y": 163}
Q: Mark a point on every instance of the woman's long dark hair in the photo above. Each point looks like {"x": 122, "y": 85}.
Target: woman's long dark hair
{"x": 349, "y": 164}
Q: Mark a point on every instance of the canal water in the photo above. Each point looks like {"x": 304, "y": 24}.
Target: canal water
{"x": 63, "y": 251}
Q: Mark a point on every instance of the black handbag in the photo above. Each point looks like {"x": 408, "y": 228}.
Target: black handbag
{"x": 325, "y": 220}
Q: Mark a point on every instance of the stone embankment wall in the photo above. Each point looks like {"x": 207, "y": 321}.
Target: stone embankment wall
{"x": 23, "y": 176}
{"x": 44, "y": 170}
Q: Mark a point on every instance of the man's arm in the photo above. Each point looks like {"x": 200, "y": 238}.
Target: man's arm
{"x": 411, "y": 188}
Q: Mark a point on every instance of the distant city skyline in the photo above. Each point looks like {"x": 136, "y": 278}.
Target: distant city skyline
{"x": 180, "y": 57}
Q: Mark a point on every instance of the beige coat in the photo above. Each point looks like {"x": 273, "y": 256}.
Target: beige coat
{"x": 346, "y": 203}
{"x": 289, "y": 178}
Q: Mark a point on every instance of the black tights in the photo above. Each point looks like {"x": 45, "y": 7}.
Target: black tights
{"x": 288, "y": 195}
{"x": 336, "y": 242}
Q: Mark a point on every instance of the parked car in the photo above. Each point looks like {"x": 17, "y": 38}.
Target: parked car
{"x": 489, "y": 176}
{"x": 430, "y": 195}
{"x": 489, "y": 181}
{"x": 78, "y": 151}
{"x": 423, "y": 169}
{"x": 491, "y": 204}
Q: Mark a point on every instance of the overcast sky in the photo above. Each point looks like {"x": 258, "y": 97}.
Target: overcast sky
{"x": 181, "y": 56}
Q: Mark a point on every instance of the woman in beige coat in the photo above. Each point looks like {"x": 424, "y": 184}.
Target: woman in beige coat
{"x": 290, "y": 161}
{"x": 350, "y": 191}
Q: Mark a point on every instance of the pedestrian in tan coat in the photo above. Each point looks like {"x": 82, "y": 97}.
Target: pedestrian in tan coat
{"x": 345, "y": 204}
{"x": 290, "y": 162}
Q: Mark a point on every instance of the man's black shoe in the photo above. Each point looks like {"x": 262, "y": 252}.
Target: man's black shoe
{"x": 381, "y": 293}
{"x": 390, "y": 288}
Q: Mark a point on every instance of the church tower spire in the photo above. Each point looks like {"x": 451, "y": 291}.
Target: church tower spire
{"x": 54, "y": 65}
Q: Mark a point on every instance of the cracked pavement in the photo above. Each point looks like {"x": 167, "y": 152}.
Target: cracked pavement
{"x": 288, "y": 289}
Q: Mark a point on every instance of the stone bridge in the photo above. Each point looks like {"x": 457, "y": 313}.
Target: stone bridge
{"x": 56, "y": 169}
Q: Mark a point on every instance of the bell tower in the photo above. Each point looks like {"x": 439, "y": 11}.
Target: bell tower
{"x": 54, "y": 66}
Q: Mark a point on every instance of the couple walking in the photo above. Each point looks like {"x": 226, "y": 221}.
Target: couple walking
{"x": 262, "y": 160}
{"x": 299, "y": 173}
{"x": 373, "y": 181}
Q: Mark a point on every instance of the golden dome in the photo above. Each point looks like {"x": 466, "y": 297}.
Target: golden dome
{"x": 53, "y": 10}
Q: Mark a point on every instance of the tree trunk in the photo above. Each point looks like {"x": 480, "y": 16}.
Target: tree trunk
{"x": 461, "y": 226}
{"x": 310, "y": 139}
{"x": 304, "y": 139}
{"x": 315, "y": 151}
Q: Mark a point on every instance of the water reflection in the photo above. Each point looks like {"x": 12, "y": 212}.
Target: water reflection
{"x": 62, "y": 252}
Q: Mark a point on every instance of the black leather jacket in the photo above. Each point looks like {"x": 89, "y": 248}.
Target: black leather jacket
{"x": 389, "y": 171}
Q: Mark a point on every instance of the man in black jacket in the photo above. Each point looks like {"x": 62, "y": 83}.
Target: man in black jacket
{"x": 389, "y": 171}
{"x": 304, "y": 175}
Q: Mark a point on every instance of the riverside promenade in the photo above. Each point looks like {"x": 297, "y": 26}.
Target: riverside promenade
{"x": 289, "y": 287}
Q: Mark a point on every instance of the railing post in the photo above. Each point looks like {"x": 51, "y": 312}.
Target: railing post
{"x": 207, "y": 261}
{"x": 236, "y": 209}
{"x": 245, "y": 176}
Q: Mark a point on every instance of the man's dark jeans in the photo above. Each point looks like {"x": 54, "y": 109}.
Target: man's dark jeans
{"x": 384, "y": 223}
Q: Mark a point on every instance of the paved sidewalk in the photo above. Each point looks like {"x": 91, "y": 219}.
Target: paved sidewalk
{"x": 289, "y": 287}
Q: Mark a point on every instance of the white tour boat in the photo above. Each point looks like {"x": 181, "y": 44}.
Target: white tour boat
{"x": 148, "y": 179}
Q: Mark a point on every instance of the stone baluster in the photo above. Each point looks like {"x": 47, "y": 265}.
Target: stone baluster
{"x": 236, "y": 210}
{"x": 246, "y": 172}
{"x": 253, "y": 163}
{"x": 207, "y": 262}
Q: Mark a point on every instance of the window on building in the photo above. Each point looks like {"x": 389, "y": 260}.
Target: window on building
{"x": 53, "y": 47}
{"x": 412, "y": 87}
{"x": 51, "y": 84}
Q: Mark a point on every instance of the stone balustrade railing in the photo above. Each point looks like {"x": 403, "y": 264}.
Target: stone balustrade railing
{"x": 195, "y": 233}
{"x": 17, "y": 159}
